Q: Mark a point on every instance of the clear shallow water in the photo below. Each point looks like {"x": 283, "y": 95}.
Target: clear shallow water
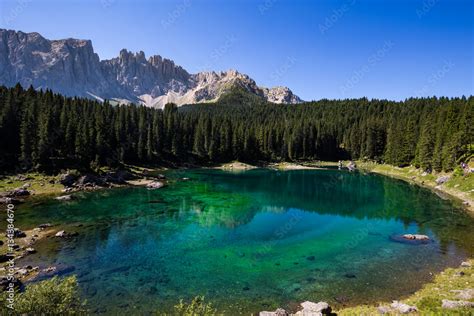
{"x": 251, "y": 241}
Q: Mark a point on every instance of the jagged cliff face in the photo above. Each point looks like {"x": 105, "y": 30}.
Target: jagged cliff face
{"x": 71, "y": 67}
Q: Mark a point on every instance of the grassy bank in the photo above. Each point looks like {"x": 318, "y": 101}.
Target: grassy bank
{"x": 39, "y": 183}
{"x": 428, "y": 300}
{"x": 43, "y": 184}
{"x": 458, "y": 186}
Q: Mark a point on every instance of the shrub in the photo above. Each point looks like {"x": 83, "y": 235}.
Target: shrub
{"x": 197, "y": 307}
{"x": 51, "y": 297}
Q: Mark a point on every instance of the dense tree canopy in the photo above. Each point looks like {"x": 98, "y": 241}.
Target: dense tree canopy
{"x": 43, "y": 130}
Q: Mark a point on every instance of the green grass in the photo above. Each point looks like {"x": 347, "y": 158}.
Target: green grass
{"x": 463, "y": 184}
{"x": 39, "y": 183}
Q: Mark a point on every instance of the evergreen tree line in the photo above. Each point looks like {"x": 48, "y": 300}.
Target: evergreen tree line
{"x": 43, "y": 130}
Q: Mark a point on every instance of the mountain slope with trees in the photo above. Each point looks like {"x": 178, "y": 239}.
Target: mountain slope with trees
{"x": 46, "y": 131}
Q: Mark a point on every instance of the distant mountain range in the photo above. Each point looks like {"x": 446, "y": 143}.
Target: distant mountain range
{"x": 71, "y": 67}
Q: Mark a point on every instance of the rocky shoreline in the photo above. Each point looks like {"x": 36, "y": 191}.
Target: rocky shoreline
{"x": 70, "y": 182}
{"x": 24, "y": 246}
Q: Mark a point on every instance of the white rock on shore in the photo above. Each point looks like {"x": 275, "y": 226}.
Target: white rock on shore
{"x": 309, "y": 309}
{"x": 278, "y": 312}
{"x": 448, "y": 304}
{"x": 403, "y": 308}
{"x": 60, "y": 233}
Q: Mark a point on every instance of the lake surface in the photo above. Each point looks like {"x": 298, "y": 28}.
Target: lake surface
{"x": 251, "y": 241}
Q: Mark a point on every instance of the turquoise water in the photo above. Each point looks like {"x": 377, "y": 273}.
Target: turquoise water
{"x": 251, "y": 241}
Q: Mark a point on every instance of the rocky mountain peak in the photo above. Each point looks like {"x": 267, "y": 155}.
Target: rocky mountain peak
{"x": 71, "y": 67}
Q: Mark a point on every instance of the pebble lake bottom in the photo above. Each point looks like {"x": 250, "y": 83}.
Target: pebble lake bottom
{"x": 250, "y": 241}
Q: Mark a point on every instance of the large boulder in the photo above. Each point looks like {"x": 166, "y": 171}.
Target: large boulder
{"x": 448, "y": 304}
{"x": 18, "y": 193}
{"x": 411, "y": 239}
{"x": 416, "y": 237}
{"x": 118, "y": 177}
{"x": 88, "y": 180}
{"x": 67, "y": 179}
{"x": 442, "y": 179}
{"x": 314, "y": 309}
{"x": 351, "y": 166}
{"x": 467, "y": 294}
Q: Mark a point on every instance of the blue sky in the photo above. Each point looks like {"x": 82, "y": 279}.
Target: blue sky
{"x": 320, "y": 49}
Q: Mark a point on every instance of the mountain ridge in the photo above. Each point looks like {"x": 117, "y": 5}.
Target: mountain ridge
{"x": 71, "y": 67}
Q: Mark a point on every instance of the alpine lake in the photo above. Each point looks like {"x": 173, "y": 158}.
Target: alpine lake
{"x": 250, "y": 241}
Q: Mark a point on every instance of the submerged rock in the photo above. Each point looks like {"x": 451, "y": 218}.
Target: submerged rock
{"x": 411, "y": 239}
{"x": 416, "y": 237}
{"x": 58, "y": 270}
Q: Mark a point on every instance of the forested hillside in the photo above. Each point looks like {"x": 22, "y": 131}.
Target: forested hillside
{"x": 46, "y": 131}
